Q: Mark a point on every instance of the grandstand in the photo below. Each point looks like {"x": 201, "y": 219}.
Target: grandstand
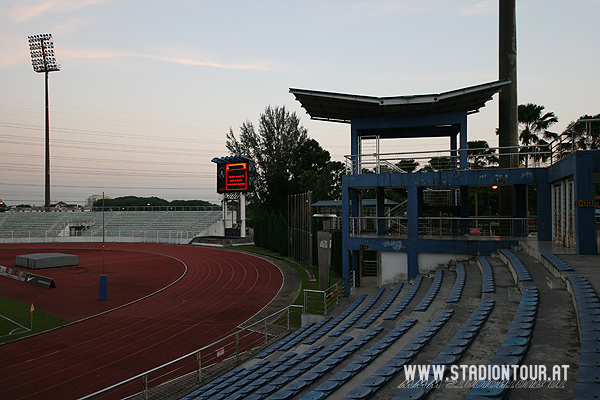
{"x": 515, "y": 324}
{"x": 133, "y": 226}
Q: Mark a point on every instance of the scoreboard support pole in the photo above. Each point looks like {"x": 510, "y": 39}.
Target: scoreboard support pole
{"x": 243, "y": 215}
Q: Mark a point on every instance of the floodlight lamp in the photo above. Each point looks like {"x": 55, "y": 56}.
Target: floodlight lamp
{"x": 42, "y": 53}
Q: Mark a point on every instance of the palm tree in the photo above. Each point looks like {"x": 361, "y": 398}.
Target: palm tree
{"x": 585, "y": 132}
{"x": 480, "y": 154}
{"x": 532, "y": 124}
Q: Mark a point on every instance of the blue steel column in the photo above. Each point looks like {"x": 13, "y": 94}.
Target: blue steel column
{"x": 544, "y": 205}
{"x": 520, "y": 210}
{"x": 380, "y": 211}
{"x": 420, "y": 207}
{"x": 463, "y": 143}
{"x": 413, "y": 230}
{"x": 464, "y": 209}
{"x": 345, "y": 235}
{"x": 585, "y": 226}
{"x": 453, "y": 152}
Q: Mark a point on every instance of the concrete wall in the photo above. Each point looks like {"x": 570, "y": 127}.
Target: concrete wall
{"x": 394, "y": 265}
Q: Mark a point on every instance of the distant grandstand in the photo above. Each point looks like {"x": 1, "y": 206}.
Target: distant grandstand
{"x": 124, "y": 226}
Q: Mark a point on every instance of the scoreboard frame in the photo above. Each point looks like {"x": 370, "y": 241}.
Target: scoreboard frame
{"x": 235, "y": 174}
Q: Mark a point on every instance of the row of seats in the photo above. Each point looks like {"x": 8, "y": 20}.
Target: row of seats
{"x": 390, "y": 369}
{"x": 432, "y": 292}
{"x": 517, "y": 266}
{"x": 513, "y": 349}
{"x": 558, "y": 263}
{"x": 487, "y": 285}
{"x": 284, "y": 341}
{"x": 218, "y": 385}
{"x": 276, "y": 384}
{"x": 318, "y": 372}
{"x": 405, "y": 300}
{"x": 420, "y": 387}
{"x": 459, "y": 284}
{"x": 349, "y": 371}
{"x": 381, "y": 309}
{"x": 263, "y": 376}
{"x": 347, "y": 324}
{"x": 336, "y": 321}
{"x": 588, "y": 313}
{"x": 304, "y": 335}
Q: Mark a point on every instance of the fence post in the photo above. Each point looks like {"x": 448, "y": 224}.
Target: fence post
{"x": 325, "y": 302}
{"x": 199, "y": 358}
{"x": 305, "y": 305}
{"x": 288, "y": 318}
{"x": 237, "y": 346}
{"x": 145, "y": 379}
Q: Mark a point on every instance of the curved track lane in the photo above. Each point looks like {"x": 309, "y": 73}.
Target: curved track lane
{"x": 219, "y": 290}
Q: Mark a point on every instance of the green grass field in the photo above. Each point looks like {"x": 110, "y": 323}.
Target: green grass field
{"x": 15, "y": 320}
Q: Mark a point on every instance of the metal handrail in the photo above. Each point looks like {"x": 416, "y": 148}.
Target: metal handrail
{"x": 144, "y": 375}
{"x": 357, "y": 163}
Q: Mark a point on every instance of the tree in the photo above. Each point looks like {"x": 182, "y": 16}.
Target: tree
{"x": 438, "y": 164}
{"x": 407, "y": 165}
{"x": 533, "y": 125}
{"x": 326, "y": 183}
{"x": 274, "y": 147}
{"x": 480, "y": 155}
{"x": 287, "y": 160}
{"x": 586, "y": 134}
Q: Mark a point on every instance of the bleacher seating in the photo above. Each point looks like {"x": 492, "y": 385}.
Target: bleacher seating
{"x": 487, "y": 285}
{"x": 587, "y": 306}
{"x": 557, "y": 263}
{"x": 285, "y": 341}
{"x": 347, "y": 324}
{"x": 336, "y": 321}
{"x": 513, "y": 348}
{"x": 450, "y": 354}
{"x": 361, "y": 362}
{"x": 294, "y": 373}
{"x": 381, "y": 309}
{"x": 116, "y": 223}
{"x": 432, "y": 292}
{"x": 519, "y": 271}
{"x": 459, "y": 284}
{"x": 405, "y": 300}
{"x": 306, "y": 334}
{"x": 390, "y": 369}
{"x": 316, "y": 373}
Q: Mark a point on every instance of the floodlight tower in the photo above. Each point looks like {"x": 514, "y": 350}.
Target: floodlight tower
{"x": 42, "y": 59}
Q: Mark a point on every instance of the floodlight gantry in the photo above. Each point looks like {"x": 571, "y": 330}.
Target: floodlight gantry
{"x": 41, "y": 48}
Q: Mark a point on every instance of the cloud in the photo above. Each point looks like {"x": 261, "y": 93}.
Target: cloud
{"x": 27, "y": 10}
{"x": 106, "y": 54}
{"x": 188, "y": 61}
{"x": 485, "y": 7}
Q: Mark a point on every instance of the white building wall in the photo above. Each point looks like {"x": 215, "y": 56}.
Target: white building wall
{"x": 394, "y": 265}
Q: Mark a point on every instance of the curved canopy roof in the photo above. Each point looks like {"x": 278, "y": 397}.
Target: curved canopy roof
{"x": 232, "y": 159}
{"x": 338, "y": 107}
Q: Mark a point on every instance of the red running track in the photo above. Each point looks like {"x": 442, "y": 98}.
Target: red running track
{"x": 206, "y": 293}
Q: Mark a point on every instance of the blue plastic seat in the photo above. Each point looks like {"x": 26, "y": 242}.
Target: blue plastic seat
{"x": 412, "y": 393}
{"x": 452, "y": 350}
{"x": 360, "y": 392}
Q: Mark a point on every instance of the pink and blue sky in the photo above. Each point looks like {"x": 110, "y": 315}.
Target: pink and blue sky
{"x": 149, "y": 89}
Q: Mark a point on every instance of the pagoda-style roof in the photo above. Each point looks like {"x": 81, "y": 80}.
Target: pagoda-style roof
{"x": 338, "y": 107}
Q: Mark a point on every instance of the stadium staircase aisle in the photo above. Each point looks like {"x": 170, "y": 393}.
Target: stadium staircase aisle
{"x": 555, "y": 339}
{"x": 491, "y": 335}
